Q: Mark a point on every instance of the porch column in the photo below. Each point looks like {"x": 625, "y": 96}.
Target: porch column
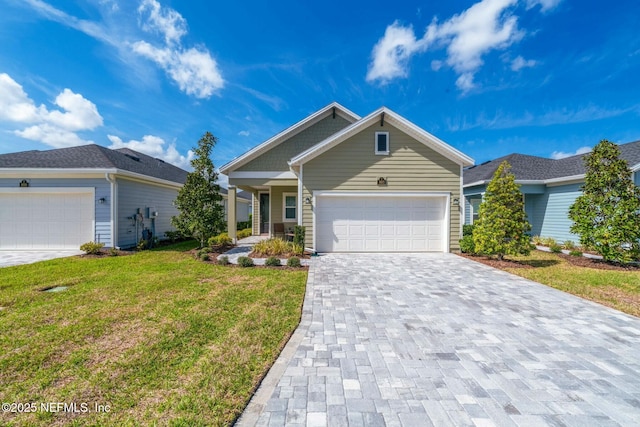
{"x": 232, "y": 224}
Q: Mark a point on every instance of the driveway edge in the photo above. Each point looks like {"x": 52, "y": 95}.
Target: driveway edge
{"x": 258, "y": 402}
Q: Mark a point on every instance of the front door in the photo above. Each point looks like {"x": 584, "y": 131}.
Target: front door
{"x": 264, "y": 213}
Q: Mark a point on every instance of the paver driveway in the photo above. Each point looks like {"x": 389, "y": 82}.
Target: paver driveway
{"x": 418, "y": 340}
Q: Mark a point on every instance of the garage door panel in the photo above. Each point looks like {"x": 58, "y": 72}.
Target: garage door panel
{"x": 55, "y": 220}
{"x": 380, "y": 223}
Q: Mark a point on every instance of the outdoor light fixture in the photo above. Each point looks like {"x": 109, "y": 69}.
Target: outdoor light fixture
{"x": 102, "y": 200}
{"x": 456, "y": 202}
{"x": 307, "y": 200}
{"x": 382, "y": 181}
{"x": 24, "y": 183}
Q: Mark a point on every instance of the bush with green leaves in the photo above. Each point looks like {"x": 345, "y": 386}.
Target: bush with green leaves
{"x": 92, "y": 248}
{"x": 502, "y": 226}
{"x": 204, "y": 257}
{"x": 220, "y": 240}
{"x": 113, "y": 252}
{"x": 272, "y": 262}
{"x": 568, "y": 245}
{"x": 556, "y": 249}
{"x": 245, "y": 261}
{"x": 605, "y": 215}
{"x": 467, "y": 230}
{"x": 467, "y": 245}
{"x": 575, "y": 252}
{"x": 223, "y": 260}
{"x": 294, "y": 261}
{"x": 174, "y": 236}
{"x": 549, "y": 241}
{"x": 244, "y": 233}
{"x": 299, "y": 232}
{"x": 241, "y": 225}
{"x": 277, "y": 247}
{"x": 536, "y": 240}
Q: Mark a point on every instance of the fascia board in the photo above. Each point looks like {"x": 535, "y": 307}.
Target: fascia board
{"x": 288, "y": 133}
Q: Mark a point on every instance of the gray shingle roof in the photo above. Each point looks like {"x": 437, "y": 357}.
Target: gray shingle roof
{"x": 95, "y": 157}
{"x": 532, "y": 168}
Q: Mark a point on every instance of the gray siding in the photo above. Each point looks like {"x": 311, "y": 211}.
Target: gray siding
{"x": 276, "y": 158}
{"x": 554, "y": 206}
{"x": 410, "y": 166}
{"x": 637, "y": 177}
{"x": 102, "y": 190}
{"x": 133, "y": 195}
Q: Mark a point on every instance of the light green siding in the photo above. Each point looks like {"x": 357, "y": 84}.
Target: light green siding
{"x": 410, "y": 166}
{"x": 255, "y": 218}
{"x": 276, "y": 158}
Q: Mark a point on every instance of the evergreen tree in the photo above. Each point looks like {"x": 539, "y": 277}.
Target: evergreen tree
{"x": 606, "y": 215}
{"x": 199, "y": 200}
{"x": 502, "y": 222}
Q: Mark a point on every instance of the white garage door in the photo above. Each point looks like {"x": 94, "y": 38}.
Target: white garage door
{"x": 30, "y": 220}
{"x": 382, "y": 223}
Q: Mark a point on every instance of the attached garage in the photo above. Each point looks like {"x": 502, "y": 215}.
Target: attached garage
{"x": 384, "y": 222}
{"x": 54, "y": 218}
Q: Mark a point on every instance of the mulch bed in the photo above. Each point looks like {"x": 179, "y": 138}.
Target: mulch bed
{"x": 578, "y": 261}
{"x": 107, "y": 253}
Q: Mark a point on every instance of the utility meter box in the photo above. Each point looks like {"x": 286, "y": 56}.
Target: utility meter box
{"x": 151, "y": 212}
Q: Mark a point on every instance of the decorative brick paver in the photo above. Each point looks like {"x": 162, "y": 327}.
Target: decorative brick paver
{"x": 431, "y": 339}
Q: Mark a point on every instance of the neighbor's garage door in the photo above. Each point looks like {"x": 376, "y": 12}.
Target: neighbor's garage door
{"x": 383, "y": 223}
{"x": 46, "y": 220}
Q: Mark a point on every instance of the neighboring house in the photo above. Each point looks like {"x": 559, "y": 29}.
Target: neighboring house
{"x": 549, "y": 186}
{"x": 62, "y": 198}
{"x": 243, "y": 207}
{"x": 372, "y": 184}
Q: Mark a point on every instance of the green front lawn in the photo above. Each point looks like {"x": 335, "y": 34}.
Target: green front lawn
{"x": 157, "y": 336}
{"x": 613, "y": 288}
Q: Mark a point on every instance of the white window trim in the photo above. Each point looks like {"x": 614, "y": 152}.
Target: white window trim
{"x": 284, "y": 207}
{"x": 381, "y": 153}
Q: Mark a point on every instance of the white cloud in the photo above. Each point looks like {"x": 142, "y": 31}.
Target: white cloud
{"x": 561, "y": 154}
{"x": 56, "y": 128}
{"x": 244, "y": 133}
{"x": 487, "y": 25}
{"x": 194, "y": 69}
{"x": 156, "y": 147}
{"x": 544, "y": 4}
{"x": 520, "y": 63}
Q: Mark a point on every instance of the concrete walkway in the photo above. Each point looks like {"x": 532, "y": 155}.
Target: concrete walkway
{"x": 10, "y": 258}
{"x": 420, "y": 340}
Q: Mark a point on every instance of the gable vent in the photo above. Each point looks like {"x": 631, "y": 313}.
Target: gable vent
{"x": 160, "y": 160}
{"x": 132, "y": 157}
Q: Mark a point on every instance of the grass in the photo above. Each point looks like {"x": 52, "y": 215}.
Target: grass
{"x": 159, "y": 337}
{"x": 613, "y": 288}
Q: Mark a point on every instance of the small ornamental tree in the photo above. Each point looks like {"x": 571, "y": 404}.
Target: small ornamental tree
{"x": 502, "y": 222}
{"x": 606, "y": 215}
{"x": 199, "y": 200}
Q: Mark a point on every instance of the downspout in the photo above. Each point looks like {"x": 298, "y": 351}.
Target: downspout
{"x": 114, "y": 209}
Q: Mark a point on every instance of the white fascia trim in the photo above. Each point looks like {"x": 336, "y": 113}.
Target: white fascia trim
{"x": 394, "y": 119}
{"x": 36, "y": 190}
{"x": 146, "y": 178}
{"x": 381, "y": 193}
{"x": 635, "y": 168}
{"x": 300, "y": 206}
{"x": 263, "y": 175}
{"x": 473, "y": 184}
{"x": 563, "y": 179}
{"x": 288, "y": 133}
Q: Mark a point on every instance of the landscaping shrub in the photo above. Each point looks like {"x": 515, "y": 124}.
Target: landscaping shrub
{"x": 223, "y": 260}
{"x": 467, "y": 245}
{"x": 204, "y": 257}
{"x": 244, "y": 233}
{"x": 245, "y": 261}
{"x": 569, "y": 245}
{"x": 174, "y": 236}
{"x": 92, "y": 248}
{"x": 221, "y": 239}
{"x": 467, "y": 230}
{"x": 277, "y": 247}
{"x": 548, "y": 241}
{"x": 555, "y": 248}
{"x": 575, "y": 252}
{"x": 536, "y": 240}
{"x": 299, "y": 232}
{"x": 113, "y": 252}
{"x": 294, "y": 261}
{"x": 242, "y": 225}
{"x": 272, "y": 262}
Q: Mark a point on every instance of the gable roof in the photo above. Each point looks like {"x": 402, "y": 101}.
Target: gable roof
{"x": 94, "y": 157}
{"x": 533, "y": 168}
{"x": 392, "y": 118}
{"x": 305, "y": 123}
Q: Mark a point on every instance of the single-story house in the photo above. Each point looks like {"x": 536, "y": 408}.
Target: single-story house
{"x": 62, "y": 198}
{"x": 358, "y": 184}
{"x": 549, "y": 187}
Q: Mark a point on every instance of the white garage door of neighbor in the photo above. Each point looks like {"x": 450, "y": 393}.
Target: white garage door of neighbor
{"x": 380, "y": 224}
{"x": 46, "y": 220}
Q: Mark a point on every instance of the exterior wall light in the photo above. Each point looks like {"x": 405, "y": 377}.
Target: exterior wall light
{"x": 456, "y": 202}
{"x": 102, "y": 200}
{"x": 307, "y": 200}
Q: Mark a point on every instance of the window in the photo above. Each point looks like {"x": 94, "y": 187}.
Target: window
{"x": 289, "y": 207}
{"x": 475, "y": 208}
{"x": 382, "y": 143}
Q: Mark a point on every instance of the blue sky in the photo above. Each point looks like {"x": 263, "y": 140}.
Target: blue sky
{"x": 490, "y": 77}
